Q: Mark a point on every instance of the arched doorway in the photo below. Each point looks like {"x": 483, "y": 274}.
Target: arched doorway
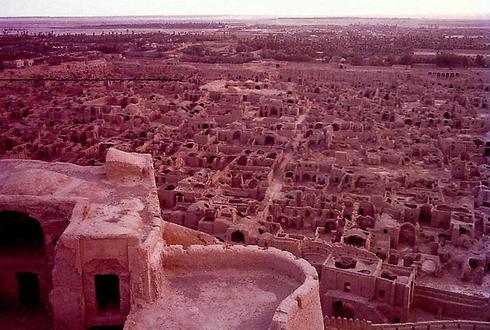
{"x": 20, "y": 235}
{"x": 343, "y": 309}
{"x": 407, "y": 234}
{"x": 23, "y": 263}
{"x": 238, "y": 237}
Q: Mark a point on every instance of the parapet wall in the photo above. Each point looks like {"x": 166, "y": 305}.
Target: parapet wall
{"x": 308, "y": 246}
{"x": 451, "y": 303}
{"x": 342, "y": 249}
{"x": 343, "y": 323}
{"x": 301, "y": 309}
{"x": 350, "y": 324}
{"x": 435, "y": 325}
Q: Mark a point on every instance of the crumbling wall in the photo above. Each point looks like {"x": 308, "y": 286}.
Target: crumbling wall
{"x": 451, "y": 304}
{"x": 177, "y": 235}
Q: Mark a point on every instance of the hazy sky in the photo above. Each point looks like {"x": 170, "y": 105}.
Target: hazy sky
{"x": 379, "y": 8}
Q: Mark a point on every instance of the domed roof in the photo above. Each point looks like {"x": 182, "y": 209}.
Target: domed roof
{"x": 133, "y": 109}
{"x": 198, "y": 206}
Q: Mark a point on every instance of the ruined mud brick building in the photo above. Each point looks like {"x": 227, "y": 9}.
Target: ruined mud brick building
{"x": 377, "y": 177}
{"x": 92, "y": 241}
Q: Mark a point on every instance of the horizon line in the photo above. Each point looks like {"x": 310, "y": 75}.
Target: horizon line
{"x": 444, "y": 17}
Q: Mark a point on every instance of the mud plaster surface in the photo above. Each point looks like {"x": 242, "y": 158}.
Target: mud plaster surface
{"x": 222, "y": 299}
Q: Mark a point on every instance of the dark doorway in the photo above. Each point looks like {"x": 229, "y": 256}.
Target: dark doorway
{"x": 28, "y": 288}
{"x": 425, "y": 214}
{"x": 107, "y": 292}
{"x": 238, "y": 237}
{"x": 269, "y": 141}
{"x": 407, "y": 235}
{"x": 342, "y": 309}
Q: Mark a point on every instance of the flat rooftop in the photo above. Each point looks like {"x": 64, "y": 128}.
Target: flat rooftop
{"x": 216, "y": 299}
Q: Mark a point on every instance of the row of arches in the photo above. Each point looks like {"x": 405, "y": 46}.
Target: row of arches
{"x": 444, "y": 74}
